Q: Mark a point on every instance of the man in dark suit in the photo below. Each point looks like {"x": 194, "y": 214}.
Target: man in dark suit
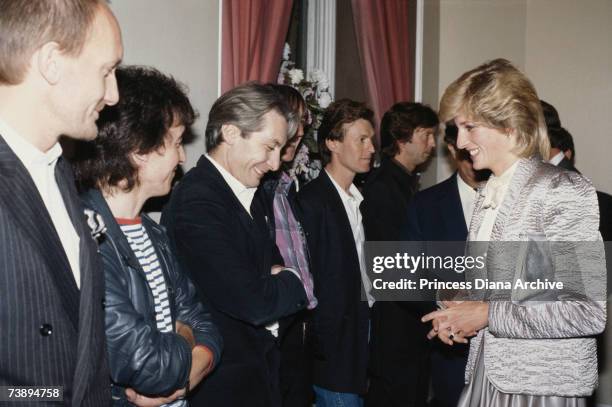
{"x": 442, "y": 213}
{"x": 56, "y": 75}
{"x": 219, "y": 229}
{"x": 561, "y": 148}
{"x": 334, "y": 231}
{"x": 399, "y": 362}
{"x": 563, "y": 154}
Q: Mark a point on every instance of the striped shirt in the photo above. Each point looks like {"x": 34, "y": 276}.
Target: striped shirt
{"x": 142, "y": 247}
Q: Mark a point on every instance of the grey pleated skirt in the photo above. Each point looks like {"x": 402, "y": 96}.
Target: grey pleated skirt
{"x": 480, "y": 392}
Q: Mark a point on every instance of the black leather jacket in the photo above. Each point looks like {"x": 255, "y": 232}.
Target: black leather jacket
{"x": 141, "y": 357}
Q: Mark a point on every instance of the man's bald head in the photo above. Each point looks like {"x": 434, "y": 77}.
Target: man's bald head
{"x": 26, "y": 25}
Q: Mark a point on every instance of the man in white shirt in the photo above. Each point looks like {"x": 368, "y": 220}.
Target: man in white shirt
{"x": 56, "y": 74}
{"x": 218, "y": 226}
{"x": 335, "y": 234}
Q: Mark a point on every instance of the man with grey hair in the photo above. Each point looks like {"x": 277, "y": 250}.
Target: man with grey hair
{"x": 218, "y": 226}
{"x": 57, "y": 72}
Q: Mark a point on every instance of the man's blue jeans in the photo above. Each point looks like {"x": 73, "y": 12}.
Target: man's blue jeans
{"x": 328, "y": 398}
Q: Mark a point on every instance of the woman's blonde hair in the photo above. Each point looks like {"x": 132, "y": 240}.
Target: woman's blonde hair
{"x": 498, "y": 95}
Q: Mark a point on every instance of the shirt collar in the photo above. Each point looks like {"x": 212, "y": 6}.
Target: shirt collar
{"x": 401, "y": 167}
{"x": 285, "y": 178}
{"x": 557, "y": 158}
{"x": 353, "y": 192}
{"x": 464, "y": 186}
{"x": 284, "y": 183}
{"x": 244, "y": 194}
{"x": 27, "y": 152}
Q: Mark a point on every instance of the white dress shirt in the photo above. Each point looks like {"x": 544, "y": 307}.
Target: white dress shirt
{"x": 244, "y": 194}
{"x": 41, "y": 167}
{"x": 351, "y": 202}
{"x": 557, "y": 158}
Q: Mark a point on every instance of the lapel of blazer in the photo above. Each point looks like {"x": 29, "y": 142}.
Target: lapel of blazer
{"x": 19, "y": 195}
{"x": 209, "y": 170}
{"x": 524, "y": 172}
{"x": 65, "y": 182}
{"x": 93, "y": 199}
{"x": 90, "y": 306}
{"x": 452, "y": 211}
{"x": 477, "y": 215}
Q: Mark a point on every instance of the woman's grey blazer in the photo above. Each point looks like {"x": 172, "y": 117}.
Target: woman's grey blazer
{"x": 542, "y": 345}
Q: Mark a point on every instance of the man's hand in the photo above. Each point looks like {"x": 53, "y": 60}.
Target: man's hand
{"x": 201, "y": 357}
{"x": 201, "y": 360}
{"x": 186, "y": 332}
{"x": 276, "y": 269}
{"x": 143, "y": 401}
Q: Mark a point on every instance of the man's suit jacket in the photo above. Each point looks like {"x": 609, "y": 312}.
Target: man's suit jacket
{"x": 436, "y": 214}
{"x": 542, "y": 347}
{"x": 340, "y": 321}
{"x": 387, "y": 193}
{"x": 399, "y": 349}
{"x": 52, "y": 332}
{"x": 605, "y": 205}
{"x": 229, "y": 255}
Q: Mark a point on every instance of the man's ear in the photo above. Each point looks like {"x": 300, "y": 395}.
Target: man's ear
{"x": 49, "y": 61}
{"x": 402, "y": 145}
{"x": 452, "y": 151}
{"x": 230, "y": 133}
{"x": 332, "y": 145}
{"x": 139, "y": 159}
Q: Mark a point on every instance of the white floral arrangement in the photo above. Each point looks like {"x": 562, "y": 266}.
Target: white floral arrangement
{"x": 315, "y": 90}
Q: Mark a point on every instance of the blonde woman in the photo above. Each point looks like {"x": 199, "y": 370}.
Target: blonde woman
{"x": 524, "y": 353}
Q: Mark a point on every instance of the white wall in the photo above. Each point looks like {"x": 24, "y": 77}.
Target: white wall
{"x": 569, "y": 59}
{"x": 178, "y": 38}
{"x": 474, "y": 31}
{"x": 564, "y": 48}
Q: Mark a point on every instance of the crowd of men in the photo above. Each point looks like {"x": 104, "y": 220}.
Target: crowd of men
{"x": 261, "y": 299}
